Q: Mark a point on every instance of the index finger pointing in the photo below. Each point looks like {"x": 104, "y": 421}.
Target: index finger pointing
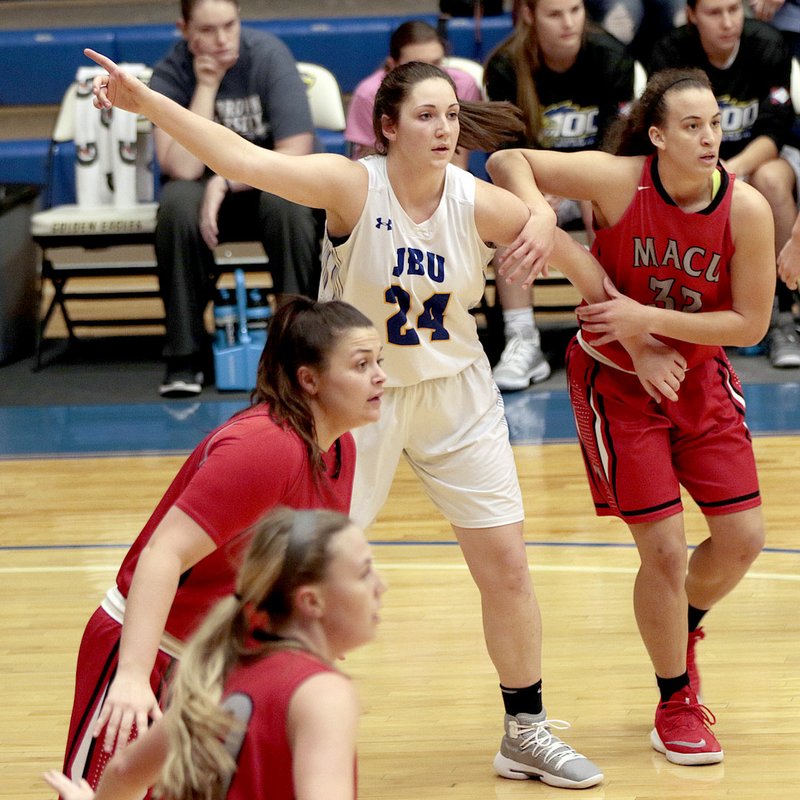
{"x": 99, "y": 58}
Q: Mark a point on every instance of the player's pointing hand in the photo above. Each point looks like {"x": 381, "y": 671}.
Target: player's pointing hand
{"x": 118, "y": 88}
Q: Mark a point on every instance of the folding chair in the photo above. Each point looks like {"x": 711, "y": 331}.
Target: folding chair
{"x": 88, "y": 228}
{"x": 639, "y": 79}
{"x": 326, "y": 104}
{"x": 472, "y": 68}
{"x": 66, "y": 224}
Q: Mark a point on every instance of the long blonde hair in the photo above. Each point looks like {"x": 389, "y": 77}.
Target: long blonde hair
{"x": 287, "y": 549}
{"x": 522, "y": 48}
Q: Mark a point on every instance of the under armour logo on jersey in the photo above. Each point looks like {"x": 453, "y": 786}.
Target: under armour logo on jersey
{"x": 379, "y": 222}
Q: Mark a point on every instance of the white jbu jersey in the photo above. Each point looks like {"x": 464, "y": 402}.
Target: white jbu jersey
{"x": 416, "y": 282}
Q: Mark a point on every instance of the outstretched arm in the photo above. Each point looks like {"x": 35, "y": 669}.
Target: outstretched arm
{"x": 531, "y": 174}
{"x": 606, "y": 180}
{"x": 323, "y": 180}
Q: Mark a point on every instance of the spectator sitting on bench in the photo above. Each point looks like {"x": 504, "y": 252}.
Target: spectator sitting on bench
{"x": 248, "y": 81}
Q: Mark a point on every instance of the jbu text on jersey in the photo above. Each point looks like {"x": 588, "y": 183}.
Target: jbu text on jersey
{"x": 412, "y": 261}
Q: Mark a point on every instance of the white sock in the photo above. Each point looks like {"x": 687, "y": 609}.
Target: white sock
{"x": 520, "y": 322}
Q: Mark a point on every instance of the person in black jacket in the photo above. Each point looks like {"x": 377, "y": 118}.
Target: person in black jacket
{"x": 749, "y": 67}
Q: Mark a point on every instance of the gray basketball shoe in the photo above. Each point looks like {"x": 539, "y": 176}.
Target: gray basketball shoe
{"x": 530, "y": 750}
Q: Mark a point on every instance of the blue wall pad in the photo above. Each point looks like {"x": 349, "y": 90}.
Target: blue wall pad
{"x": 461, "y": 35}
{"x": 145, "y": 44}
{"x": 38, "y": 66}
{"x": 23, "y": 160}
{"x": 349, "y": 48}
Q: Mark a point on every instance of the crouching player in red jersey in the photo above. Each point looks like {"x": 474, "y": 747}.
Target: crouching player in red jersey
{"x": 319, "y": 377}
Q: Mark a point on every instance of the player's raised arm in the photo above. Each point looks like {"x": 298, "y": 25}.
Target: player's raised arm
{"x": 318, "y": 181}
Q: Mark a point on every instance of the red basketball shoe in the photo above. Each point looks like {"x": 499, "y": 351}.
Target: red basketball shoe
{"x": 682, "y": 731}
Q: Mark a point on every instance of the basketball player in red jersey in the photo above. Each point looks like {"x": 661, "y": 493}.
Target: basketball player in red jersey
{"x": 675, "y": 233}
{"x": 258, "y": 708}
{"x": 319, "y": 376}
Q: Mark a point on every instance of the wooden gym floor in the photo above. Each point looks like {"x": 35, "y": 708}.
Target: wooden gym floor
{"x": 432, "y": 711}
{"x": 77, "y": 483}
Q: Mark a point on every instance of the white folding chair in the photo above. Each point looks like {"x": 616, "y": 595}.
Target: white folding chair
{"x": 795, "y": 85}
{"x": 324, "y": 96}
{"x": 101, "y": 227}
{"x": 89, "y": 228}
{"x": 473, "y": 68}
{"x": 639, "y": 79}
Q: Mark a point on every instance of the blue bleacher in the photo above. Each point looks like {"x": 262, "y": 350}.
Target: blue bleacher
{"x": 23, "y": 161}
{"x": 144, "y": 44}
{"x": 39, "y": 65}
{"x": 349, "y": 47}
{"x": 461, "y": 36}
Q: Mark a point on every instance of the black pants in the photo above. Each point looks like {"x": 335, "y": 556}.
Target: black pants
{"x": 186, "y": 268}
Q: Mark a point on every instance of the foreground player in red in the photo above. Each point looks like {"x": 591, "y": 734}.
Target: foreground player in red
{"x": 319, "y": 377}
{"x": 676, "y": 234}
{"x": 257, "y": 707}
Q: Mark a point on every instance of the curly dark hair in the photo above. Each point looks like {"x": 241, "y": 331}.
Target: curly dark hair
{"x": 628, "y": 135}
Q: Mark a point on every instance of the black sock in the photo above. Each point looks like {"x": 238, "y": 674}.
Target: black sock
{"x": 695, "y": 615}
{"x": 668, "y": 686}
{"x": 784, "y": 295}
{"x": 527, "y": 700}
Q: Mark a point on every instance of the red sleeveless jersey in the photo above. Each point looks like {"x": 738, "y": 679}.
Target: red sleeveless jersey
{"x": 265, "y": 763}
{"x": 662, "y": 256}
{"x": 240, "y": 471}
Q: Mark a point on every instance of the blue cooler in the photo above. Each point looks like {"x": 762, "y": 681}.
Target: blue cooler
{"x": 259, "y": 313}
{"x": 236, "y": 364}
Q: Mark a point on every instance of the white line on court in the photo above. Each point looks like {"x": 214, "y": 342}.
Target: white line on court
{"x": 772, "y": 576}
{"x": 409, "y": 567}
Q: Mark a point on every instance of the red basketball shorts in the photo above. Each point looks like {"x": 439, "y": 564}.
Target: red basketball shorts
{"x": 638, "y": 453}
